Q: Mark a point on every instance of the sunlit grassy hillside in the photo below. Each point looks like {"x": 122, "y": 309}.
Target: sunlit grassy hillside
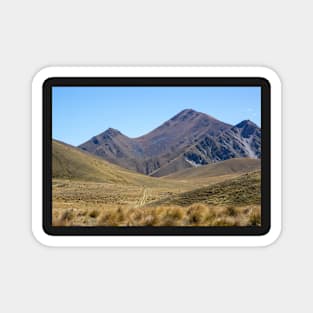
{"x": 73, "y": 164}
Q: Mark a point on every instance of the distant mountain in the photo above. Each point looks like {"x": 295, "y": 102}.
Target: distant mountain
{"x": 116, "y": 148}
{"x": 240, "y": 141}
{"x": 189, "y": 139}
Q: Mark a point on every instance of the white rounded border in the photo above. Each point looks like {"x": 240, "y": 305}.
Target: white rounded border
{"x": 156, "y": 241}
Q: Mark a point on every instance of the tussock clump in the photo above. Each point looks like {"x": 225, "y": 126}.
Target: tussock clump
{"x": 255, "y": 218}
{"x": 169, "y": 216}
{"x": 198, "y": 214}
{"x": 135, "y": 217}
{"x": 63, "y": 217}
{"x": 67, "y": 215}
{"x": 111, "y": 217}
{"x": 94, "y": 213}
{"x": 149, "y": 220}
{"x": 231, "y": 211}
{"x": 105, "y": 218}
{"x": 58, "y": 222}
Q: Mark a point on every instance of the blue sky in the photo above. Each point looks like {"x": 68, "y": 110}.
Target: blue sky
{"x": 79, "y": 113}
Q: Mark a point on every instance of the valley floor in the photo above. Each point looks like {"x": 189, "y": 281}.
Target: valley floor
{"x": 226, "y": 200}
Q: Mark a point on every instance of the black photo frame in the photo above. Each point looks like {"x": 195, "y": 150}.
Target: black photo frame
{"x": 160, "y": 230}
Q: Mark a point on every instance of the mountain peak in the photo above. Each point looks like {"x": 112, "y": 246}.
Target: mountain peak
{"x": 188, "y": 111}
{"x": 185, "y": 114}
{"x": 112, "y": 131}
{"x": 245, "y": 123}
{"x": 247, "y": 128}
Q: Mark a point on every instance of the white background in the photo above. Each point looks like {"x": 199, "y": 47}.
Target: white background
{"x": 34, "y": 34}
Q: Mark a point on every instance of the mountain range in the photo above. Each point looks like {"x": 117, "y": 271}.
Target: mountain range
{"x": 189, "y": 139}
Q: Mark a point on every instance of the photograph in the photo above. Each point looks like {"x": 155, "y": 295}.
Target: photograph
{"x": 156, "y": 156}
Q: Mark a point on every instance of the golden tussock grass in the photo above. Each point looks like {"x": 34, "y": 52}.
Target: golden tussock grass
{"x": 198, "y": 214}
{"x": 131, "y": 199}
